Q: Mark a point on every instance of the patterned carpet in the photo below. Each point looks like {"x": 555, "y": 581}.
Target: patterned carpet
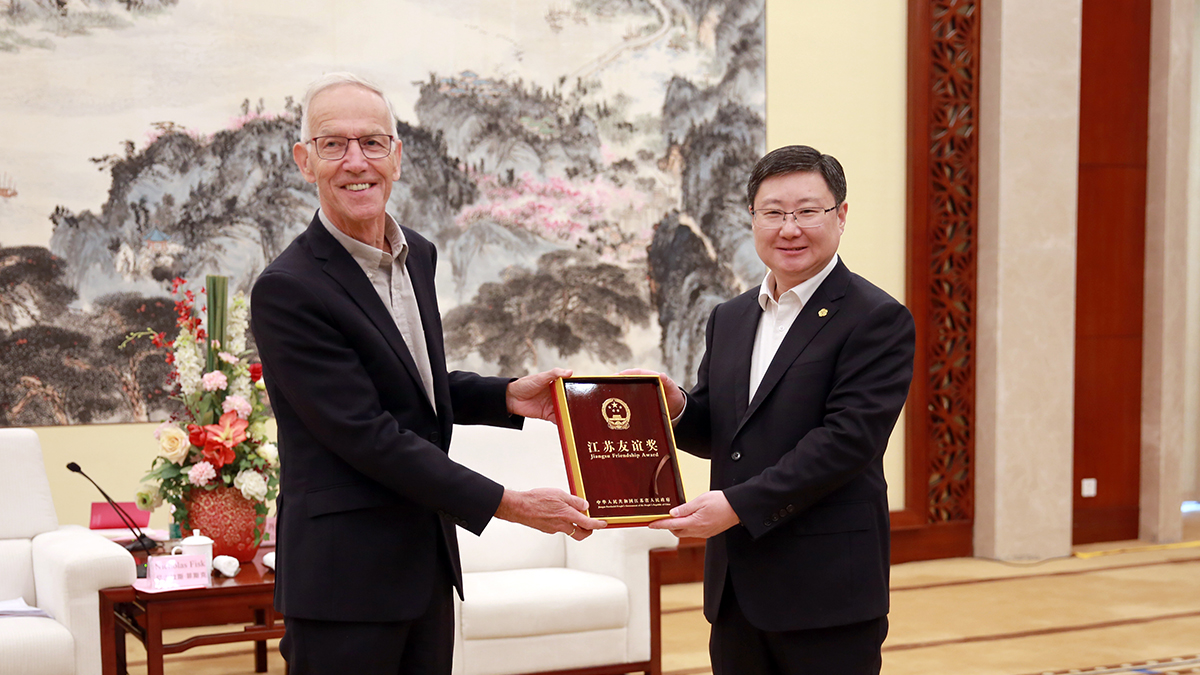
{"x": 1174, "y": 666}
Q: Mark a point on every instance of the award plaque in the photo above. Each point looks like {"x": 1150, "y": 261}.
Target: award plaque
{"x": 619, "y": 448}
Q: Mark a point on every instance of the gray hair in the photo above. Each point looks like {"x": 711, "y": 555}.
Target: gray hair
{"x": 798, "y": 158}
{"x": 330, "y": 80}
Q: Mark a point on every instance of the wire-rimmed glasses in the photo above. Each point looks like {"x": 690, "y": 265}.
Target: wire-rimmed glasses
{"x": 806, "y": 217}
{"x": 373, "y": 146}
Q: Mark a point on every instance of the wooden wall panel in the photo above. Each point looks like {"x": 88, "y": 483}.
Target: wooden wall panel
{"x": 1114, "y": 88}
{"x": 1113, "y": 118}
{"x": 1111, "y": 249}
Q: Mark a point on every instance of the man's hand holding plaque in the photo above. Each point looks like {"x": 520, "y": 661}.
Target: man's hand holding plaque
{"x": 619, "y": 448}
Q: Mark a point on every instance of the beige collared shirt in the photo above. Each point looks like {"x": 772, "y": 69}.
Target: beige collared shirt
{"x": 778, "y": 317}
{"x": 389, "y": 277}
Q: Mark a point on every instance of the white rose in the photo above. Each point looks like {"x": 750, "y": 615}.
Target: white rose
{"x": 174, "y": 444}
{"x": 149, "y": 498}
{"x": 257, "y": 430}
{"x": 269, "y": 452}
{"x": 252, "y": 484}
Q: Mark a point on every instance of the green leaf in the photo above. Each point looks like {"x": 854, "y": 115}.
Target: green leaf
{"x": 218, "y": 299}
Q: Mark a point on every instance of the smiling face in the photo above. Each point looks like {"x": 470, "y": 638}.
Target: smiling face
{"x": 354, "y": 190}
{"x": 793, "y": 254}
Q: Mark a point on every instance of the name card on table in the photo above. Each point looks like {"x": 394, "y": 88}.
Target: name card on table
{"x": 172, "y": 572}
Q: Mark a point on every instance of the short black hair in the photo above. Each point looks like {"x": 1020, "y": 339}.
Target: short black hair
{"x": 793, "y": 159}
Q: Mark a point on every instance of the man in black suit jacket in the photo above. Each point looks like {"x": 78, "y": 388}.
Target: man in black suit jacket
{"x": 800, "y": 386}
{"x": 347, "y": 326}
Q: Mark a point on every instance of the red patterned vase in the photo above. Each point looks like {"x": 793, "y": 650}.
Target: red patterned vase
{"x": 226, "y": 517}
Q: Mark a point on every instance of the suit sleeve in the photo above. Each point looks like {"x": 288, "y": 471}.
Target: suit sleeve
{"x": 871, "y": 381}
{"x": 329, "y": 390}
{"x": 476, "y": 399}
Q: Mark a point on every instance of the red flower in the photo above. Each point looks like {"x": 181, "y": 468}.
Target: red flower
{"x": 255, "y": 372}
{"x": 196, "y": 435}
{"x": 222, "y": 436}
{"x": 217, "y": 453}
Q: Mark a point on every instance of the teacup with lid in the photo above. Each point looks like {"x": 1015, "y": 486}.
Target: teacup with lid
{"x": 197, "y": 544}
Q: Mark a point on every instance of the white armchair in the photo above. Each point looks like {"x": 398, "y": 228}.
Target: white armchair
{"x": 539, "y": 603}
{"x": 58, "y": 570}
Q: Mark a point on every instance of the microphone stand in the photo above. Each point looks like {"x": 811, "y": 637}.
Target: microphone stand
{"x": 141, "y": 542}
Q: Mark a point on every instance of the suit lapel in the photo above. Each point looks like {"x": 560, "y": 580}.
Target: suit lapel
{"x": 744, "y": 322}
{"x": 340, "y": 265}
{"x": 420, "y": 268}
{"x": 816, "y": 314}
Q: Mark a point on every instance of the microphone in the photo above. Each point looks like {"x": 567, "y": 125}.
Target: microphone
{"x": 140, "y": 542}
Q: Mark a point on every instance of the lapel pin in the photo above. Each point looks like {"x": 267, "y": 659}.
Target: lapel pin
{"x": 823, "y": 313}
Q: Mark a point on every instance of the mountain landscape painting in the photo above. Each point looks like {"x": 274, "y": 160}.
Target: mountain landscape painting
{"x": 580, "y": 165}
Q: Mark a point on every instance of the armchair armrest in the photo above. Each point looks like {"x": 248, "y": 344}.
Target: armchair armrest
{"x": 70, "y": 566}
{"x": 624, "y": 553}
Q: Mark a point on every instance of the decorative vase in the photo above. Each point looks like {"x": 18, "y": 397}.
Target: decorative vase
{"x": 226, "y": 517}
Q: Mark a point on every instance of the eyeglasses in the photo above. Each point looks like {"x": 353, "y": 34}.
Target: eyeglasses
{"x": 806, "y": 218}
{"x": 374, "y": 146}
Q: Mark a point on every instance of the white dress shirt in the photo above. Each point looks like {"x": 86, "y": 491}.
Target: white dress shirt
{"x": 389, "y": 277}
{"x": 778, "y": 317}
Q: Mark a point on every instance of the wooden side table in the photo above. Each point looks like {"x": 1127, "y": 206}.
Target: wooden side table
{"x": 679, "y": 565}
{"x": 245, "y": 599}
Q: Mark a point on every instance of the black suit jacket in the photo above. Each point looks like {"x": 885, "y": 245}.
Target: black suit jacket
{"x": 368, "y": 494}
{"x": 802, "y": 464}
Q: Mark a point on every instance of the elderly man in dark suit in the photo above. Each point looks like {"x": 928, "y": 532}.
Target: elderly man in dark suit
{"x": 347, "y": 326}
{"x": 801, "y": 383}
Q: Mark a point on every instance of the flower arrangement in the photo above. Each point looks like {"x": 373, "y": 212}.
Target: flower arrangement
{"x": 220, "y": 436}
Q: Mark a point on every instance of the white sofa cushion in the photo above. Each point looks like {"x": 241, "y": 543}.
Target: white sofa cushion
{"x": 517, "y": 603}
{"x": 35, "y": 646}
{"x": 25, "y": 500}
{"x": 16, "y": 570}
{"x": 520, "y": 460}
{"x": 540, "y": 653}
{"x": 509, "y": 546}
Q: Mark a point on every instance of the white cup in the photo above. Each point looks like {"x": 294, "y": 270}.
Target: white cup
{"x": 197, "y": 544}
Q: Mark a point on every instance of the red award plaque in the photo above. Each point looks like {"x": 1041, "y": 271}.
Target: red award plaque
{"x": 619, "y": 448}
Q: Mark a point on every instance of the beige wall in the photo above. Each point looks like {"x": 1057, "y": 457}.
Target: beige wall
{"x": 849, "y": 99}
{"x": 845, "y": 100}
{"x": 115, "y": 455}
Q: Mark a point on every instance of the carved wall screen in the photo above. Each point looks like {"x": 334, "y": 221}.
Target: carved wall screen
{"x": 943, "y": 154}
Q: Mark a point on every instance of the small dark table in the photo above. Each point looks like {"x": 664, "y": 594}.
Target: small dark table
{"x": 245, "y": 599}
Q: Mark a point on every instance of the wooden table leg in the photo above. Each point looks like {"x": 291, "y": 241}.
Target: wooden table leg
{"x": 112, "y": 632}
{"x": 260, "y": 646}
{"x": 122, "y": 668}
{"x": 154, "y": 641}
{"x": 657, "y": 557}
{"x": 109, "y": 636}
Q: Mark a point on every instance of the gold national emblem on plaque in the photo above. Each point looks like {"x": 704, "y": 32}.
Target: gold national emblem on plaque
{"x": 616, "y": 413}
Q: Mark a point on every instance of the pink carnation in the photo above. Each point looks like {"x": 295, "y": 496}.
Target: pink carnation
{"x": 201, "y": 473}
{"x": 227, "y": 357}
{"x": 237, "y": 404}
{"x": 214, "y": 381}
